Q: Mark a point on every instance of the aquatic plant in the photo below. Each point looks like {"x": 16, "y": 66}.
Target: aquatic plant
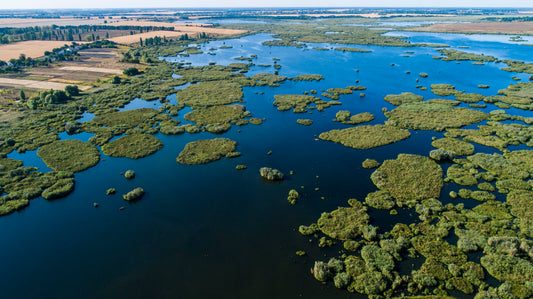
{"x": 461, "y": 148}
{"x": 111, "y": 191}
{"x": 404, "y": 97}
{"x": 134, "y": 194}
{"x": 130, "y": 174}
{"x": 370, "y": 163}
{"x": 441, "y": 155}
{"x": 296, "y": 101}
{"x": 293, "y": 196}
{"x": 60, "y": 189}
{"x": 498, "y": 165}
{"x": 380, "y": 200}
{"x": 133, "y": 146}
{"x": 205, "y": 151}
{"x": 343, "y": 223}
{"x": 409, "y": 177}
{"x": 365, "y": 137}
{"x": 211, "y": 93}
{"x": 432, "y": 116}
{"x": 350, "y": 49}
{"x": 69, "y": 155}
{"x": 307, "y": 77}
{"x": 216, "y": 114}
{"x": 271, "y": 174}
{"x": 305, "y": 122}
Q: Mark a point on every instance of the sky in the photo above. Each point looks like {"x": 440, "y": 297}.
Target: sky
{"x": 40, "y": 4}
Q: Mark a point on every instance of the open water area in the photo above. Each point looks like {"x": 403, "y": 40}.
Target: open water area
{"x": 211, "y": 231}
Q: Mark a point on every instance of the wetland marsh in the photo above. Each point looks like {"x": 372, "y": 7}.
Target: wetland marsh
{"x": 363, "y": 208}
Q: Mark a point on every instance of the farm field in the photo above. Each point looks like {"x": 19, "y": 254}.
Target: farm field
{"x": 489, "y": 27}
{"x": 33, "y": 48}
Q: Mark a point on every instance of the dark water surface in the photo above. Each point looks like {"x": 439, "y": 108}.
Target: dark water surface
{"x": 210, "y": 230}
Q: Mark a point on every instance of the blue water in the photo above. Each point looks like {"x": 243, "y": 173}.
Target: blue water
{"x": 210, "y": 230}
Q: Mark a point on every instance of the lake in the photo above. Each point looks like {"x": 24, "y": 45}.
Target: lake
{"x": 213, "y": 231}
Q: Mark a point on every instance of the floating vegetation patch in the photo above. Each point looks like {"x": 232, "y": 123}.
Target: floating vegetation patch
{"x": 452, "y": 55}
{"x": 205, "y": 151}
{"x": 461, "y": 148}
{"x": 69, "y": 155}
{"x": 432, "y": 116}
{"x": 211, "y": 93}
{"x": 409, "y": 177}
{"x": 217, "y": 114}
{"x": 305, "y": 122}
{"x": 133, "y": 146}
{"x": 404, "y": 97}
{"x": 469, "y": 97}
{"x": 296, "y": 101}
{"x": 268, "y": 79}
{"x": 350, "y": 49}
{"x": 444, "y": 102}
{"x": 444, "y": 89}
{"x": 370, "y": 163}
{"x": 134, "y": 194}
{"x": 522, "y": 159}
{"x": 271, "y": 174}
{"x": 498, "y": 165}
{"x": 365, "y": 137}
{"x": 61, "y": 188}
{"x": 346, "y": 117}
{"x": 308, "y": 77}
{"x": 344, "y": 223}
{"x": 129, "y": 118}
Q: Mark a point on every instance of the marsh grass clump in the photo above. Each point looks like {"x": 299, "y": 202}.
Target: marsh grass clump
{"x": 409, "y": 177}
{"x": 346, "y": 118}
{"x": 376, "y": 258}
{"x": 60, "y": 189}
{"x": 432, "y": 116}
{"x": 469, "y": 97}
{"x": 462, "y": 176}
{"x": 404, "y": 97}
{"x": 298, "y": 102}
{"x": 216, "y": 115}
{"x": 130, "y": 174}
{"x": 365, "y": 137}
{"x": 134, "y": 194}
{"x": 128, "y": 119}
{"x": 444, "y": 89}
{"x": 268, "y": 79}
{"x": 305, "y": 122}
{"x": 344, "y": 223}
{"x": 271, "y": 174}
{"x": 444, "y": 102}
{"x": 205, "y": 151}
{"x": 370, "y": 163}
{"x": 69, "y": 155}
{"x": 461, "y": 148}
{"x": 7, "y": 165}
{"x": 522, "y": 159}
{"x": 293, "y": 196}
{"x": 211, "y": 93}
{"x": 380, "y": 200}
{"x": 308, "y": 77}
{"x": 498, "y": 165}
{"x": 441, "y": 155}
{"x": 308, "y": 230}
{"x": 111, "y": 191}
{"x": 350, "y": 49}
{"x": 133, "y": 146}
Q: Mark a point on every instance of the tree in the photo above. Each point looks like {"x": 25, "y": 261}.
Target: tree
{"x": 22, "y": 95}
{"x": 132, "y": 71}
{"x": 72, "y": 90}
{"x": 116, "y": 80}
